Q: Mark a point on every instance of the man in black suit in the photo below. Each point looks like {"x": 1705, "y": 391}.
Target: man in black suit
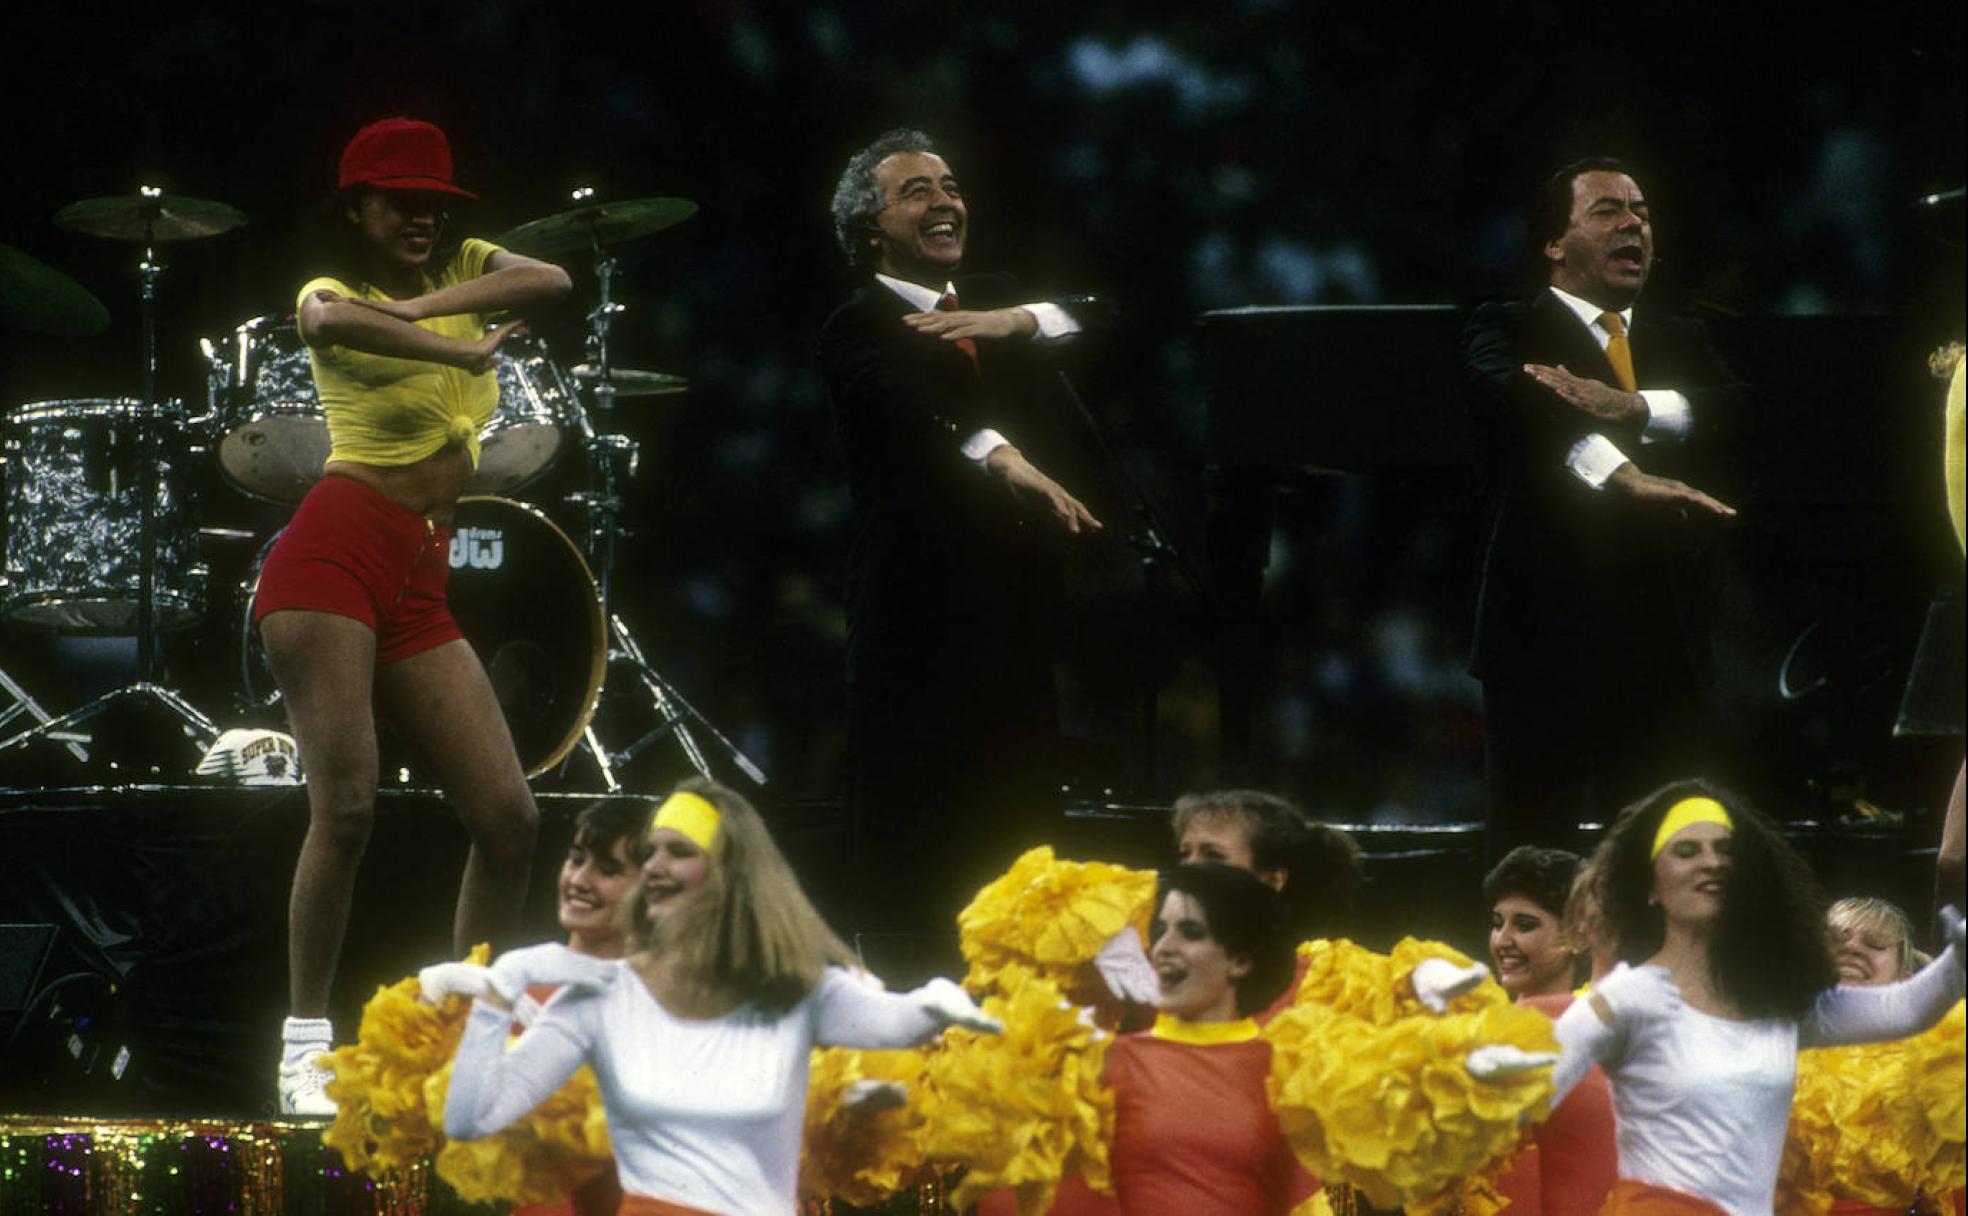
{"x": 1593, "y": 422}
{"x": 940, "y": 396}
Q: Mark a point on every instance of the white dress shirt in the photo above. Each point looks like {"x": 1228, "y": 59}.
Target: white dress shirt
{"x": 1593, "y": 458}
{"x": 1053, "y": 321}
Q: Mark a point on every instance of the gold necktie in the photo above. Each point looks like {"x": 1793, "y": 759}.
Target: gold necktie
{"x": 1618, "y": 353}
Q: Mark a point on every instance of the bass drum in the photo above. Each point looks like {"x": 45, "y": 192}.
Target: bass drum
{"x": 523, "y": 596}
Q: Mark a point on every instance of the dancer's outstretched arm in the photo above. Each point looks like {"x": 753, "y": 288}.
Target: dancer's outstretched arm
{"x": 1843, "y": 1016}
{"x": 849, "y": 1012}
{"x": 492, "y": 1087}
{"x": 1594, "y": 1030}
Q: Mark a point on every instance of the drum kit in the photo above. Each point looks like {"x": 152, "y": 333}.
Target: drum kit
{"x": 103, "y": 536}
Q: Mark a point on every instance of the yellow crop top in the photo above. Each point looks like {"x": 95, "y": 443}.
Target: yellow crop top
{"x": 384, "y": 410}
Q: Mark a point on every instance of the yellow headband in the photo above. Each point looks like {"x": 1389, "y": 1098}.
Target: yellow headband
{"x": 691, "y": 814}
{"x": 1687, "y": 812}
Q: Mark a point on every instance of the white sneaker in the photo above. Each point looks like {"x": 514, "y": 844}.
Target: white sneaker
{"x": 304, "y": 1088}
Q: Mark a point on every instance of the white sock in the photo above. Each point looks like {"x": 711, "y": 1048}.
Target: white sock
{"x": 302, "y": 1037}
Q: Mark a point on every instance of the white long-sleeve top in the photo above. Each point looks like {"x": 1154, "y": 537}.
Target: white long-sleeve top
{"x": 1701, "y": 1102}
{"x": 701, "y": 1112}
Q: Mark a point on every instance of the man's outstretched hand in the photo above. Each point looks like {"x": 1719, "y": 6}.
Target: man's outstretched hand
{"x": 961, "y": 323}
{"x": 1665, "y": 492}
{"x": 1030, "y": 486}
{"x": 1593, "y": 398}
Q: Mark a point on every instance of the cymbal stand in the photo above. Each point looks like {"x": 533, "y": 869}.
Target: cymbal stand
{"x": 603, "y": 446}
{"x": 149, "y": 270}
{"x": 17, "y": 702}
{"x": 200, "y": 729}
{"x": 602, "y": 507}
{"x": 673, "y": 709}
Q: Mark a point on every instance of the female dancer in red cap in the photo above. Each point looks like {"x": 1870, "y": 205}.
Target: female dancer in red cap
{"x": 351, "y": 600}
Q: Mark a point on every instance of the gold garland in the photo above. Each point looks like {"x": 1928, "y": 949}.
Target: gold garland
{"x": 164, "y": 1167}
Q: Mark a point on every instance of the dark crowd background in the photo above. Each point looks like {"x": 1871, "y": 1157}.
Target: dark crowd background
{"x": 1173, "y": 157}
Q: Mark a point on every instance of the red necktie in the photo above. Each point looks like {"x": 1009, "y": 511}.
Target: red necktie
{"x": 948, "y": 303}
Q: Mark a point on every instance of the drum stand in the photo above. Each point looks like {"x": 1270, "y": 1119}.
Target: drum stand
{"x": 602, "y": 507}
{"x": 200, "y": 729}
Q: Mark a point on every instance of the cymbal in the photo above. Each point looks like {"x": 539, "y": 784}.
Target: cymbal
{"x": 161, "y": 217}
{"x": 630, "y": 382}
{"x": 35, "y": 296}
{"x": 609, "y": 222}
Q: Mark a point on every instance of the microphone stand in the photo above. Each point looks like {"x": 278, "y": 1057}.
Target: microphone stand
{"x": 1158, "y": 557}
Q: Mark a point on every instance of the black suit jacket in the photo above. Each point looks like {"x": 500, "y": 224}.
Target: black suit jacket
{"x": 1581, "y": 584}
{"x": 951, "y": 595}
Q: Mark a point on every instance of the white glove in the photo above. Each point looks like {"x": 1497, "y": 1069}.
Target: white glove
{"x": 1638, "y": 994}
{"x": 1124, "y": 965}
{"x": 951, "y": 1005}
{"x": 1952, "y": 928}
{"x": 1437, "y": 981}
{"x": 1502, "y": 1062}
{"x": 253, "y": 757}
{"x": 553, "y": 964}
{"x": 441, "y": 980}
{"x": 873, "y": 1097}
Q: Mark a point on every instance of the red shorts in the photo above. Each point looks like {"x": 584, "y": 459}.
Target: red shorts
{"x": 352, "y": 551}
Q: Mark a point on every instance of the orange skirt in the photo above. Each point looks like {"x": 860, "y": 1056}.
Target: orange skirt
{"x": 649, "y": 1205}
{"x": 1630, "y": 1198}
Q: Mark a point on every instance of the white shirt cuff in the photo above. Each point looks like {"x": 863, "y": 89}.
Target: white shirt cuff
{"x": 1667, "y": 416}
{"x": 1593, "y": 459}
{"x": 982, "y": 444}
{"x": 1054, "y": 321}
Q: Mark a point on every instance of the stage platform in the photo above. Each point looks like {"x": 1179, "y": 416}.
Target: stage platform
{"x": 156, "y": 915}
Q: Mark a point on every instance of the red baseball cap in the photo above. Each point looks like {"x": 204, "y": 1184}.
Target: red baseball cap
{"x": 400, "y": 154}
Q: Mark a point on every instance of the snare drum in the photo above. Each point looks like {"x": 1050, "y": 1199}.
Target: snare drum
{"x": 74, "y": 472}
{"x": 524, "y": 599}
{"x": 275, "y": 436}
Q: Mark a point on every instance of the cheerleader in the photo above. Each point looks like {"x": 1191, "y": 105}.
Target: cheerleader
{"x": 1194, "y": 1134}
{"x": 1727, "y": 975}
{"x": 700, "y": 1037}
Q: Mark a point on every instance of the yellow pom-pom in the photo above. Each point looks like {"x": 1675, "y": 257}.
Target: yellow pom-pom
{"x": 1391, "y": 1108}
{"x": 1025, "y": 1108}
{"x": 389, "y": 1088}
{"x": 861, "y": 1157}
{"x": 557, "y": 1146}
{"x": 383, "y": 1121}
{"x": 1351, "y": 979}
{"x": 1051, "y": 916}
{"x": 1880, "y": 1123}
